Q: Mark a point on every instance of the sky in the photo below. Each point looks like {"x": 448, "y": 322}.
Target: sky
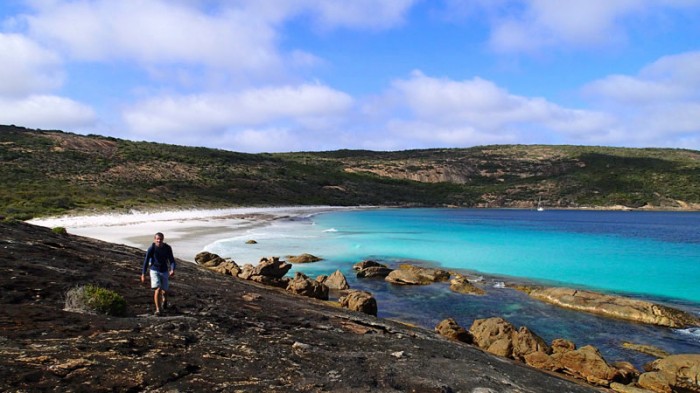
{"x": 315, "y": 75}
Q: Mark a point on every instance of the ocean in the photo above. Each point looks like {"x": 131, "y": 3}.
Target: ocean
{"x": 649, "y": 255}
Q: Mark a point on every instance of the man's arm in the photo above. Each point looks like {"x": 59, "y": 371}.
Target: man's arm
{"x": 149, "y": 254}
{"x": 172, "y": 260}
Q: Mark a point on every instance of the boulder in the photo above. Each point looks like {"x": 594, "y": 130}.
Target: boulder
{"x": 357, "y": 300}
{"x": 303, "y": 258}
{"x": 271, "y": 281}
{"x": 630, "y": 388}
{"x": 526, "y": 342}
{"x": 365, "y": 264}
{"x": 374, "y": 271}
{"x": 493, "y": 335}
{"x": 460, "y": 284}
{"x": 451, "y": 329}
{"x": 560, "y": 345}
{"x": 542, "y": 361}
{"x": 251, "y": 241}
{"x": 587, "y": 363}
{"x": 628, "y": 373}
{"x": 246, "y": 271}
{"x": 335, "y": 281}
{"x": 216, "y": 263}
{"x": 615, "y": 306}
{"x": 302, "y": 285}
{"x": 271, "y": 267}
{"x": 498, "y": 336}
{"x": 207, "y": 259}
{"x": 675, "y": 373}
{"x": 228, "y": 268}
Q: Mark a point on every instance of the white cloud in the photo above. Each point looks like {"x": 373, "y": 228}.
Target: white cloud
{"x": 303, "y": 104}
{"x": 375, "y": 14}
{"x": 660, "y": 106}
{"x": 536, "y": 25}
{"x": 241, "y": 36}
{"x": 28, "y": 76}
{"x": 156, "y": 32}
{"x": 46, "y": 111}
{"x": 334, "y": 14}
{"x": 478, "y": 110}
{"x": 27, "y": 67}
{"x": 670, "y": 78}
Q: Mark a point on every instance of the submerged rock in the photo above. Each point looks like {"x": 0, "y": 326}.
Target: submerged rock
{"x": 461, "y": 284}
{"x": 416, "y": 275}
{"x": 615, "y": 306}
{"x": 303, "y": 258}
{"x": 365, "y": 264}
{"x": 647, "y": 349}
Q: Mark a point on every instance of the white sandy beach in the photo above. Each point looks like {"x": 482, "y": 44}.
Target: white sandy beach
{"x": 189, "y": 231}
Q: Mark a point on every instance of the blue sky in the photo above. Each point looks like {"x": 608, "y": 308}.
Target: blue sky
{"x": 293, "y": 75}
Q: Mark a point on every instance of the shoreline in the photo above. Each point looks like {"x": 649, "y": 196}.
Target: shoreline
{"x": 190, "y": 231}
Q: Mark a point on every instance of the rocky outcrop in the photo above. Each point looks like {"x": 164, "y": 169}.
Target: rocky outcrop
{"x": 615, "y": 306}
{"x": 304, "y": 286}
{"x": 675, "y": 373}
{"x": 336, "y": 280}
{"x": 303, "y": 258}
{"x": 451, "y": 329}
{"x": 461, "y": 284}
{"x": 416, "y": 275}
{"x": 500, "y": 337}
{"x": 357, "y": 300}
{"x": 219, "y": 335}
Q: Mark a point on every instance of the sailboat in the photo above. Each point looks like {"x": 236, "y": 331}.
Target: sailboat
{"x": 539, "y": 205}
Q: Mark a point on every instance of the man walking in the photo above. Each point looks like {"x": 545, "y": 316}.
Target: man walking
{"x": 159, "y": 258}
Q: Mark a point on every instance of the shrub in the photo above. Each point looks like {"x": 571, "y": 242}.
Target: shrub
{"x": 91, "y": 298}
{"x": 59, "y": 230}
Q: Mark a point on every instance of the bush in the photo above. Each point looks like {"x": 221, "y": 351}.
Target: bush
{"x": 91, "y": 298}
{"x": 59, "y": 230}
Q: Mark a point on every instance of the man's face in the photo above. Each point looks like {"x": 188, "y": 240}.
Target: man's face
{"x": 158, "y": 241}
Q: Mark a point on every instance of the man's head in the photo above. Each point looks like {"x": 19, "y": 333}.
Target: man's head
{"x": 158, "y": 238}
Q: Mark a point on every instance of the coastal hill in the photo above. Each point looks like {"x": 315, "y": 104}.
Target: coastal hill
{"x": 219, "y": 334}
{"x": 53, "y": 172}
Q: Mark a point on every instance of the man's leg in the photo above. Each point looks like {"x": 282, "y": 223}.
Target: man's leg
{"x": 156, "y": 299}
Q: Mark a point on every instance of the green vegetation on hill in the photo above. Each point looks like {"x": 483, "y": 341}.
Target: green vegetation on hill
{"x": 52, "y": 172}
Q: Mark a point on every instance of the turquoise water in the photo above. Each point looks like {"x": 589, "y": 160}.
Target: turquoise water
{"x": 651, "y": 255}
